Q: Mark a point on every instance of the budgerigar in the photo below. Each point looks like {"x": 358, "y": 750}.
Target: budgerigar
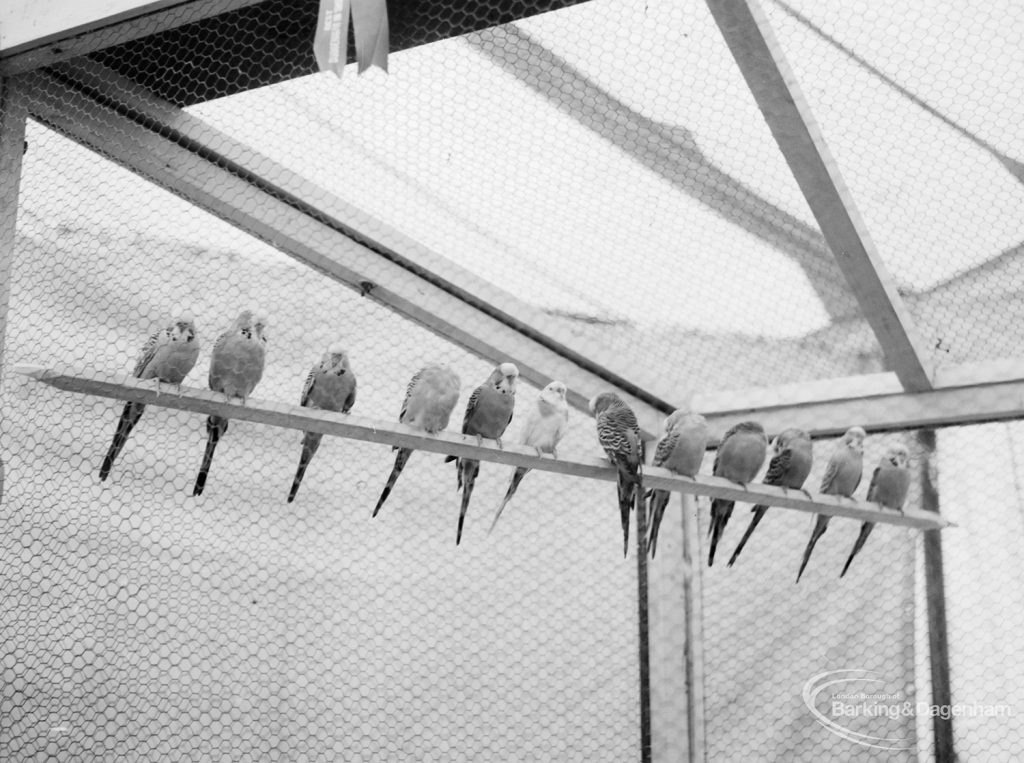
{"x": 330, "y": 386}
{"x": 545, "y": 426}
{"x": 842, "y": 476}
{"x": 167, "y": 356}
{"x": 429, "y": 401}
{"x": 618, "y": 432}
{"x": 681, "y": 451}
{"x": 791, "y": 463}
{"x": 236, "y": 367}
{"x": 889, "y": 485}
{"x": 488, "y": 413}
{"x": 739, "y": 458}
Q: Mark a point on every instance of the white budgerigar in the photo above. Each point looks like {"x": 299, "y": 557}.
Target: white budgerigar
{"x": 889, "y": 486}
{"x": 842, "y": 476}
{"x": 681, "y": 451}
{"x": 330, "y": 386}
{"x": 236, "y": 367}
{"x": 167, "y": 356}
{"x": 544, "y": 429}
{"x": 429, "y": 401}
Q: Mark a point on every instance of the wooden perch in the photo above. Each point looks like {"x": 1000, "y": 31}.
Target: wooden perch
{"x": 123, "y": 387}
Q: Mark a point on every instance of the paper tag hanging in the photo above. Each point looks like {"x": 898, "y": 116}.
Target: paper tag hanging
{"x": 369, "y": 26}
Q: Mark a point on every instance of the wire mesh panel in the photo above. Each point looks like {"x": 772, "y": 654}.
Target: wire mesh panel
{"x": 140, "y": 620}
{"x": 596, "y": 189}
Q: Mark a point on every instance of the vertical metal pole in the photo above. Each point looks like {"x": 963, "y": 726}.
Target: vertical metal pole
{"x": 644, "y": 628}
{"x": 694, "y": 628}
{"x": 12, "y": 146}
{"x": 935, "y": 595}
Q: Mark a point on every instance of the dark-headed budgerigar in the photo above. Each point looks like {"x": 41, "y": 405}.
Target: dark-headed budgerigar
{"x": 792, "y": 456}
{"x": 545, "y": 426}
{"x": 167, "y": 356}
{"x": 681, "y": 451}
{"x": 488, "y": 413}
{"x": 236, "y": 367}
{"x": 330, "y": 386}
{"x": 739, "y": 458}
{"x": 889, "y": 485}
{"x": 842, "y": 476}
{"x": 429, "y": 401}
{"x": 619, "y": 434}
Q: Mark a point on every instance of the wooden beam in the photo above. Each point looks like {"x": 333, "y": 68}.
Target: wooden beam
{"x": 12, "y": 142}
{"x": 971, "y": 393}
{"x": 106, "y": 32}
{"x": 124, "y": 387}
{"x": 230, "y": 190}
{"x": 769, "y": 77}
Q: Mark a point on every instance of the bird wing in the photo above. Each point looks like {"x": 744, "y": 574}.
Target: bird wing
{"x": 874, "y": 480}
{"x": 830, "y": 474}
{"x": 307, "y": 388}
{"x": 664, "y": 450}
{"x": 155, "y": 341}
{"x": 408, "y": 393}
{"x": 778, "y": 467}
{"x": 474, "y": 401}
{"x": 351, "y": 399}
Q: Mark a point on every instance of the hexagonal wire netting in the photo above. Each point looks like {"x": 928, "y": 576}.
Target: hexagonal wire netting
{"x": 604, "y": 165}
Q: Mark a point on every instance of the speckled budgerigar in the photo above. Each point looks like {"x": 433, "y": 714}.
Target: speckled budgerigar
{"x": 488, "y": 414}
{"x": 545, "y": 426}
{"x": 618, "y": 432}
{"x": 167, "y": 356}
{"x": 429, "y": 401}
{"x": 739, "y": 458}
{"x": 842, "y": 477}
{"x": 681, "y": 451}
{"x": 792, "y": 457}
{"x": 889, "y": 485}
{"x": 330, "y": 386}
{"x": 236, "y": 367}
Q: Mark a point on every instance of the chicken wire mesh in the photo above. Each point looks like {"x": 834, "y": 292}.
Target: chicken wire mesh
{"x": 644, "y": 211}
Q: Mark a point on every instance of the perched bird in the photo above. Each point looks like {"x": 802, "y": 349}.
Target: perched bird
{"x": 740, "y": 456}
{"x": 619, "y": 434}
{"x": 544, "y": 428}
{"x": 889, "y": 485}
{"x": 330, "y": 386}
{"x": 681, "y": 450}
{"x": 789, "y": 467}
{"x": 429, "y": 401}
{"x": 488, "y": 413}
{"x": 236, "y": 367}
{"x": 842, "y": 476}
{"x": 167, "y": 356}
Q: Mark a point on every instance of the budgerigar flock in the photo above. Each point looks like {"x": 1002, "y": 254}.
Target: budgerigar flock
{"x": 237, "y": 363}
